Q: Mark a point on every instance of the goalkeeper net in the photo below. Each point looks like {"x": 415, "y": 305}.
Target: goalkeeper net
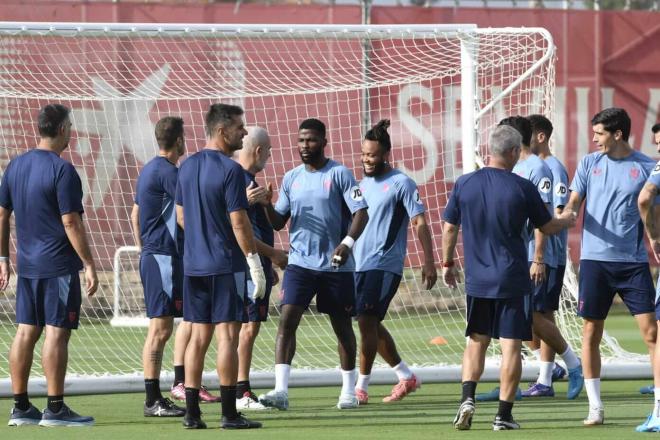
{"x": 443, "y": 88}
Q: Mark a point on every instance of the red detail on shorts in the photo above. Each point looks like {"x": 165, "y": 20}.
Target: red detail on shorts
{"x": 72, "y": 316}
{"x": 178, "y": 305}
{"x": 263, "y": 310}
{"x": 581, "y": 305}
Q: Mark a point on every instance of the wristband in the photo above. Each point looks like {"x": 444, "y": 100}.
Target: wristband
{"x": 448, "y": 264}
{"x": 348, "y": 242}
{"x": 4, "y": 258}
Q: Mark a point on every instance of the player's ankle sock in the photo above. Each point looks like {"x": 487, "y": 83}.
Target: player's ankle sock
{"x": 228, "y": 401}
{"x": 152, "y": 387}
{"x": 363, "y": 382}
{"x": 537, "y": 354}
{"x": 179, "y": 374}
{"x": 242, "y": 387}
{"x": 593, "y": 392}
{"x": 656, "y": 408}
{"x": 348, "y": 382}
{"x": 55, "y": 403}
{"x": 570, "y": 358}
{"x": 545, "y": 373}
{"x": 192, "y": 402}
{"x": 282, "y": 372}
{"x": 21, "y": 401}
{"x": 402, "y": 371}
{"x": 504, "y": 410}
{"x": 469, "y": 389}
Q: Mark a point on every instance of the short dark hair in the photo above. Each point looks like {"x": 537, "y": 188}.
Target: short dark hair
{"x": 313, "y": 124}
{"x": 220, "y": 114}
{"x": 167, "y": 131}
{"x": 522, "y": 125}
{"x": 540, "y": 124}
{"x": 613, "y": 119}
{"x": 656, "y": 128}
{"x": 378, "y": 133}
{"x": 51, "y": 118}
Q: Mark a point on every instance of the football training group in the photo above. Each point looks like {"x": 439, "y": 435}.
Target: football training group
{"x": 206, "y": 235}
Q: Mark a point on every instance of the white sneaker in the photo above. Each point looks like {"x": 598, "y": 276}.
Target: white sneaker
{"x": 249, "y": 402}
{"x": 347, "y": 401}
{"x": 596, "y": 417}
{"x": 275, "y": 399}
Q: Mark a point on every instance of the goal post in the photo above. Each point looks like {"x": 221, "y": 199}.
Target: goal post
{"x": 442, "y": 86}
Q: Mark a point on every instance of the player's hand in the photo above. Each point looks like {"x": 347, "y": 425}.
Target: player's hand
{"x": 570, "y": 216}
{"x": 256, "y": 194}
{"x": 340, "y": 256}
{"x": 537, "y": 273}
{"x": 276, "y": 277}
{"x": 429, "y": 275}
{"x": 450, "y": 277}
{"x": 655, "y": 247}
{"x": 5, "y": 274}
{"x": 91, "y": 280}
{"x": 280, "y": 259}
{"x": 257, "y": 275}
{"x": 268, "y": 195}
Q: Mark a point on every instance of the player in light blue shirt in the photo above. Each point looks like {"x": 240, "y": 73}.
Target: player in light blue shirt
{"x": 394, "y": 202}
{"x": 328, "y": 213}
{"x": 613, "y": 256}
{"x": 649, "y": 209}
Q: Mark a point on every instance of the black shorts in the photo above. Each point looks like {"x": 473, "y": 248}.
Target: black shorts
{"x": 509, "y": 318}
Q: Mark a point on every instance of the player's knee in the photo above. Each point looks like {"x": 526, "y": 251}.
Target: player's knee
{"x": 27, "y": 335}
{"x": 249, "y": 333}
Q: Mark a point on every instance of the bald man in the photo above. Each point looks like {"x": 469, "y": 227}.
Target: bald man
{"x": 253, "y": 157}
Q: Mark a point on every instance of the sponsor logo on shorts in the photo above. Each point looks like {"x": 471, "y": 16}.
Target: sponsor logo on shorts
{"x": 72, "y": 316}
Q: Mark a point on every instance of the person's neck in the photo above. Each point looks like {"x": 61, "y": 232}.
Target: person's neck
{"x": 543, "y": 151}
{"x": 171, "y": 156}
{"x": 499, "y": 164}
{"x": 48, "y": 144}
{"x": 621, "y": 150}
{"x": 525, "y": 152}
{"x": 317, "y": 165}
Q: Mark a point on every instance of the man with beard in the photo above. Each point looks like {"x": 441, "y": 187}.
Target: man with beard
{"x": 393, "y": 201}
{"x": 328, "y": 214}
{"x": 211, "y": 206}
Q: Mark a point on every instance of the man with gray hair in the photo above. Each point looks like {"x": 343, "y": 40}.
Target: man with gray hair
{"x": 493, "y": 206}
{"x": 253, "y": 157}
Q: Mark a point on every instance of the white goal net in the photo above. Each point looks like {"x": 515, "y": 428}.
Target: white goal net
{"x": 443, "y": 87}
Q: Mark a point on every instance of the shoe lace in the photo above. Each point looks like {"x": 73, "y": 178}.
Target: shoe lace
{"x": 399, "y": 389}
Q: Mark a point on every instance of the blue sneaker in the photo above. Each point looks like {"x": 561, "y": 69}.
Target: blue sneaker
{"x": 648, "y": 389}
{"x": 494, "y": 395}
{"x": 558, "y": 373}
{"x": 31, "y": 416}
{"x": 65, "y": 417}
{"x": 539, "y": 390}
{"x": 652, "y": 424}
{"x": 575, "y": 382}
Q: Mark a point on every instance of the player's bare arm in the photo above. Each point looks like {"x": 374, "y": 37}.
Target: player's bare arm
{"x": 449, "y": 238}
{"x": 75, "y": 231}
{"x": 5, "y": 215}
{"x": 179, "y": 216}
{"x": 429, "y": 273}
{"x": 360, "y": 219}
{"x": 279, "y": 257}
{"x": 135, "y": 223}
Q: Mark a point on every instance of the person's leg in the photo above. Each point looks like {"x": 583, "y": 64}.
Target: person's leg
{"x": 347, "y": 348}
{"x": 200, "y": 338}
{"x": 21, "y": 355}
{"x": 649, "y": 331}
{"x": 652, "y": 423}
{"x": 181, "y": 338}
{"x": 369, "y": 338}
{"x": 510, "y": 371}
{"x": 247, "y": 338}
{"x": 54, "y": 359}
{"x": 592, "y": 333}
{"x": 474, "y": 358}
{"x": 160, "y": 330}
{"x": 226, "y": 335}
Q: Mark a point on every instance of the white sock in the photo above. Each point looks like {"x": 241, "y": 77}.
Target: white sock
{"x": 593, "y": 392}
{"x": 402, "y": 371}
{"x": 363, "y": 382}
{"x": 545, "y": 374}
{"x": 656, "y": 408}
{"x": 570, "y": 358}
{"x": 348, "y": 382}
{"x": 282, "y": 373}
{"x": 537, "y": 354}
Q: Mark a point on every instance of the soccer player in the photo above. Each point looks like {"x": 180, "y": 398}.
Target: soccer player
{"x": 212, "y": 207}
{"x": 45, "y": 194}
{"x": 320, "y": 197}
{"x": 493, "y": 205}
{"x": 161, "y": 267}
{"x": 613, "y": 256}
{"x": 393, "y": 201}
{"x": 547, "y": 294}
{"x": 649, "y": 209}
{"x": 253, "y": 158}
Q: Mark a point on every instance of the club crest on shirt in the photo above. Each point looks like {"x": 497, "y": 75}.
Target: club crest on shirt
{"x": 386, "y": 187}
{"x": 356, "y": 194}
{"x": 656, "y": 170}
{"x": 327, "y": 184}
{"x": 545, "y": 185}
{"x": 634, "y": 173}
{"x": 597, "y": 172}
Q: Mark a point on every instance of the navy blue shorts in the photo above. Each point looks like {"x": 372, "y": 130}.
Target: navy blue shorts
{"x": 546, "y": 294}
{"x": 657, "y": 300}
{"x": 599, "y": 281}
{"x": 335, "y": 291}
{"x": 258, "y": 310}
{"x": 162, "y": 282}
{"x": 374, "y": 292}
{"x": 215, "y": 298}
{"x": 509, "y": 318}
{"x": 49, "y": 301}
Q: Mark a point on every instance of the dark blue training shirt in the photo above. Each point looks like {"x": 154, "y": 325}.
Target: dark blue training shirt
{"x": 210, "y": 186}
{"x": 40, "y": 187}
{"x": 492, "y": 206}
{"x": 156, "y": 189}
{"x": 261, "y": 226}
